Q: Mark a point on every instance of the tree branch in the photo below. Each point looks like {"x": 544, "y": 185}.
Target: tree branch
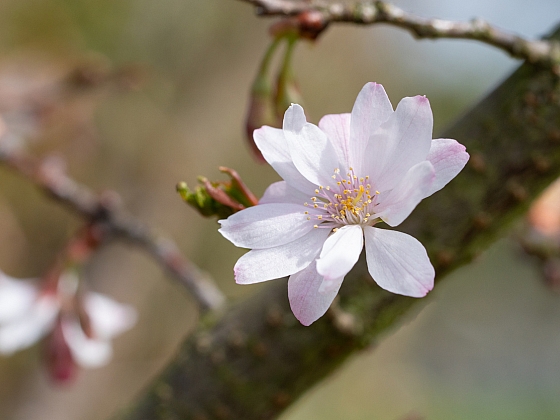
{"x": 541, "y": 52}
{"x": 257, "y": 358}
{"x": 100, "y": 210}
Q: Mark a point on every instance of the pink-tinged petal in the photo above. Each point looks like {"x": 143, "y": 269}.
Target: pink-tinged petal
{"x": 87, "y": 352}
{"x": 400, "y": 143}
{"x": 310, "y": 149}
{"x": 339, "y": 254}
{"x": 281, "y": 192}
{"x": 337, "y": 129}
{"x": 274, "y": 147}
{"x": 398, "y": 262}
{"x": 108, "y": 318}
{"x": 32, "y": 326}
{"x": 395, "y": 206}
{"x": 266, "y": 225}
{"x": 371, "y": 109}
{"x": 266, "y": 264}
{"x": 448, "y": 157}
{"x": 307, "y": 303}
{"x": 16, "y": 297}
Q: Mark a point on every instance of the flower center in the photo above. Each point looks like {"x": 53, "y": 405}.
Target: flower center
{"x": 349, "y": 201}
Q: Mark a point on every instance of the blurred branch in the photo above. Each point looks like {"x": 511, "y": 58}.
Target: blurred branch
{"x": 317, "y": 14}
{"x": 546, "y": 249}
{"x": 101, "y": 210}
{"x": 257, "y": 359}
{"x": 539, "y": 235}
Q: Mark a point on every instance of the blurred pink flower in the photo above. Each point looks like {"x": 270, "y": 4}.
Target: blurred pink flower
{"x": 340, "y": 179}
{"x": 78, "y": 326}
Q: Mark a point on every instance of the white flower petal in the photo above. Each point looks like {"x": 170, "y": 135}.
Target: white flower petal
{"x": 449, "y": 157}
{"x": 371, "y": 109}
{"x": 87, "y": 352}
{"x": 395, "y": 206}
{"x": 274, "y": 147}
{"x": 340, "y": 252}
{"x": 16, "y": 297}
{"x": 266, "y": 225}
{"x": 108, "y": 318}
{"x": 337, "y": 129}
{"x": 306, "y": 302}
{"x": 32, "y": 326}
{"x": 399, "y": 143}
{"x": 398, "y": 262}
{"x": 266, "y": 264}
{"x": 294, "y": 119}
{"x": 281, "y": 192}
{"x": 312, "y": 153}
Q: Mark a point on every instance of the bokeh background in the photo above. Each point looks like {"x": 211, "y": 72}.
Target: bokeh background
{"x": 485, "y": 346}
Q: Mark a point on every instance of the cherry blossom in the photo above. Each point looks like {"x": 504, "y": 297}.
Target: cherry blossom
{"x": 78, "y": 326}
{"x": 341, "y": 178}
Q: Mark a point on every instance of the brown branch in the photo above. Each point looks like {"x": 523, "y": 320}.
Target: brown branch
{"x": 100, "y": 210}
{"x": 544, "y": 52}
{"x": 257, "y": 358}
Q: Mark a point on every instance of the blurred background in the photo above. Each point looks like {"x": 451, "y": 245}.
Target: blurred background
{"x": 487, "y": 344}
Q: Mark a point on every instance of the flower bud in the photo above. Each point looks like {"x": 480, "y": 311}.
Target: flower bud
{"x": 200, "y": 199}
{"x": 238, "y": 189}
{"x": 60, "y": 364}
{"x": 219, "y": 198}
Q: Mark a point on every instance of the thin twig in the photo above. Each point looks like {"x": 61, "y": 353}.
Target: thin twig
{"x": 50, "y": 177}
{"x": 542, "y": 52}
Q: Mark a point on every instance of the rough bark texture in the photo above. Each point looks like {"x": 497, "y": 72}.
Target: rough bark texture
{"x": 256, "y": 359}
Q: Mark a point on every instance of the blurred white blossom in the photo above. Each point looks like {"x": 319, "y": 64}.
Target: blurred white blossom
{"x": 78, "y": 326}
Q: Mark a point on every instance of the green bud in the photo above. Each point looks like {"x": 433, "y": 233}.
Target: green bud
{"x": 201, "y": 201}
{"x": 221, "y": 198}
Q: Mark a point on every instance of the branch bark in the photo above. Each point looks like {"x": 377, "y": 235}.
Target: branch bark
{"x": 257, "y": 359}
{"x": 316, "y": 15}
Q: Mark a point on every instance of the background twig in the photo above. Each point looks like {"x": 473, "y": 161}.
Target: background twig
{"x": 101, "y": 210}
